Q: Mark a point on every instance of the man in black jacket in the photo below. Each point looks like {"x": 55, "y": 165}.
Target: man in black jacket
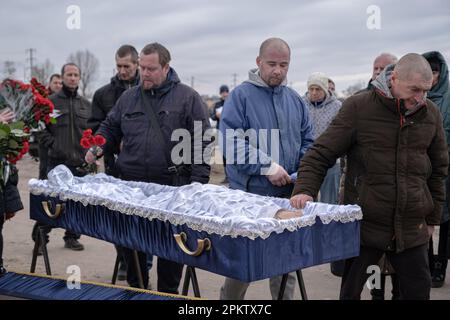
{"x": 146, "y": 153}
{"x": 62, "y": 139}
{"x": 104, "y": 99}
{"x": 215, "y": 115}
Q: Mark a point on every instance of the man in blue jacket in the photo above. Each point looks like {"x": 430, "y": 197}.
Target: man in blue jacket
{"x": 266, "y": 130}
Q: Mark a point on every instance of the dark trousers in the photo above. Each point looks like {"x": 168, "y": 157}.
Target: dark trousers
{"x": 411, "y": 267}
{"x": 378, "y": 294}
{"x": 442, "y": 245}
{"x": 169, "y": 272}
{"x": 43, "y": 162}
{"x": 110, "y": 169}
{"x": 46, "y": 229}
{"x": 2, "y": 220}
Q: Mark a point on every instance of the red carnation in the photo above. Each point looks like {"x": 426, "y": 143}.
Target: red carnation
{"x": 99, "y": 140}
{"x": 37, "y": 115}
{"x": 85, "y": 143}
{"x": 87, "y": 133}
{"x": 25, "y": 148}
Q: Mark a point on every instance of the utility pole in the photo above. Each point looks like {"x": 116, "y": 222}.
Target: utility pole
{"x": 234, "y": 79}
{"x": 31, "y": 58}
{"x": 192, "y": 82}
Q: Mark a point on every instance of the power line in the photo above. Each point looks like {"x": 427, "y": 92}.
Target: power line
{"x": 31, "y": 59}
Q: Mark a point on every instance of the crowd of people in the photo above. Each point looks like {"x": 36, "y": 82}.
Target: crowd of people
{"x": 384, "y": 148}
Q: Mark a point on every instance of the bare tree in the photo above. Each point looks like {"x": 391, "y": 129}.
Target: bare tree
{"x": 89, "y": 65}
{"x": 354, "y": 88}
{"x": 43, "y": 72}
{"x": 9, "y": 69}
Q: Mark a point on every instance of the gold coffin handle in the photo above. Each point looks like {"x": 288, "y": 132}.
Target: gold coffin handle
{"x": 204, "y": 244}
{"x": 46, "y": 205}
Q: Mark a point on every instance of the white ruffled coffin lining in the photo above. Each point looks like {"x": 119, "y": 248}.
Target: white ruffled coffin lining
{"x": 202, "y": 207}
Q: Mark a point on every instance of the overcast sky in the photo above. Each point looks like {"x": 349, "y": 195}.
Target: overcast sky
{"x": 212, "y": 40}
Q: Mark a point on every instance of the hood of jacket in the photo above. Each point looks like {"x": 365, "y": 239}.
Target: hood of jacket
{"x": 440, "y": 89}
{"x": 382, "y": 84}
{"x": 255, "y": 78}
{"x": 171, "y": 80}
{"x": 117, "y": 82}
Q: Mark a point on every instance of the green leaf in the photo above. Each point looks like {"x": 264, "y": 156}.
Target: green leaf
{"x": 5, "y": 128}
{"x": 53, "y": 120}
{"x": 17, "y": 125}
{"x": 13, "y": 144}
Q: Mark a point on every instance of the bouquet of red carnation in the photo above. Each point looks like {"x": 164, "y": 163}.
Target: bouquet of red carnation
{"x": 40, "y": 88}
{"x": 31, "y": 113}
{"x": 27, "y": 103}
{"x": 93, "y": 143}
{"x": 13, "y": 146}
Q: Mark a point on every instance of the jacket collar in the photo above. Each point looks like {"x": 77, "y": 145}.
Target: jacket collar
{"x": 67, "y": 93}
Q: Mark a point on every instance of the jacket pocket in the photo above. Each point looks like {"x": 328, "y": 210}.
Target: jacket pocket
{"x": 134, "y": 124}
{"x": 429, "y": 166}
{"x": 428, "y": 204}
{"x": 169, "y": 121}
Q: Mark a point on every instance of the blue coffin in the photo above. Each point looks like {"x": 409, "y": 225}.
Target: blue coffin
{"x": 237, "y": 257}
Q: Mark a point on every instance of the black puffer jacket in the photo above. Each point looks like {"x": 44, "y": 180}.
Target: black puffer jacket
{"x": 104, "y": 100}
{"x": 10, "y": 197}
{"x": 63, "y": 138}
{"x": 142, "y": 157}
{"x": 106, "y": 97}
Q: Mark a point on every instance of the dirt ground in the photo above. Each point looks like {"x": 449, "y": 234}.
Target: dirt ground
{"x": 97, "y": 260}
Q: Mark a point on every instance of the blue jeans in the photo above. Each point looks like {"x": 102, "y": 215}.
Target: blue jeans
{"x": 329, "y": 191}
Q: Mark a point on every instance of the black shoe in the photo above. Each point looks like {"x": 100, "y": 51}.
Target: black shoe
{"x": 438, "y": 275}
{"x": 377, "y": 294}
{"x": 122, "y": 272}
{"x": 3, "y": 271}
{"x": 74, "y": 245}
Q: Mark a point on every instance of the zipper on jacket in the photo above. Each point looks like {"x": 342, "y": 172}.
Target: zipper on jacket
{"x": 402, "y": 118}
{"x": 72, "y": 140}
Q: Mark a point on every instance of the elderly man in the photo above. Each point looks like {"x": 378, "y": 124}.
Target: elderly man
{"x": 381, "y": 62}
{"x": 264, "y": 105}
{"x": 397, "y": 152}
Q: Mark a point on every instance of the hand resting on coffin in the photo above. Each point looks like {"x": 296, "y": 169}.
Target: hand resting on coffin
{"x": 288, "y": 214}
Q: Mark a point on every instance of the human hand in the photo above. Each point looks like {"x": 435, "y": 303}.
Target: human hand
{"x": 286, "y": 214}
{"x": 6, "y": 116}
{"x": 277, "y": 175}
{"x": 91, "y": 157}
{"x": 299, "y": 201}
{"x": 430, "y": 231}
